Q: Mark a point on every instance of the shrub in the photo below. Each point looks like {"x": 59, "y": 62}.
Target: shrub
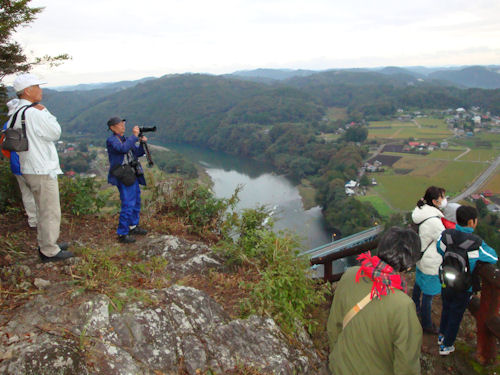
{"x": 81, "y": 195}
{"x": 194, "y": 204}
{"x": 283, "y": 289}
{"x": 9, "y": 192}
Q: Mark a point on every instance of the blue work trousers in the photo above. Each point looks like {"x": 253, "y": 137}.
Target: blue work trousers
{"x": 454, "y": 305}
{"x": 130, "y": 197}
{"x": 424, "y": 308}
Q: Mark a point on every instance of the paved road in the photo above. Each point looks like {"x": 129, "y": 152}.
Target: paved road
{"x": 479, "y": 181}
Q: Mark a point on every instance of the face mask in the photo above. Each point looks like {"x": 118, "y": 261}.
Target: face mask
{"x": 444, "y": 203}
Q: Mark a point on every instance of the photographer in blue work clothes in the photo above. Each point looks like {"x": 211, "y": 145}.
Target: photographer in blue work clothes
{"x": 126, "y": 173}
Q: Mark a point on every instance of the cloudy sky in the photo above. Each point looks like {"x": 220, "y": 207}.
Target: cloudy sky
{"x": 111, "y": 40}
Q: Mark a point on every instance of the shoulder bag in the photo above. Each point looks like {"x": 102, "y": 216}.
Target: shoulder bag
{"x": 16, "y": 139}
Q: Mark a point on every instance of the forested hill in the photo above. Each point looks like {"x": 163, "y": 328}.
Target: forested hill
{"x": 279, "y": 122}
{"x": 186, "y": 107}
{"x": 182, "y": 105}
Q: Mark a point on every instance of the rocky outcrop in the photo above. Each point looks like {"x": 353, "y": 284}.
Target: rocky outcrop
{"x": 176, "y": 330}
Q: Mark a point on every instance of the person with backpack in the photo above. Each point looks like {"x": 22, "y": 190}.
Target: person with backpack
{"x": 15, "y": 167}
{"x": 461, "y": 250}
{"x": 373, "y": 326}
{"x": 427, "y": 216}
{"x": 40, "y": 163}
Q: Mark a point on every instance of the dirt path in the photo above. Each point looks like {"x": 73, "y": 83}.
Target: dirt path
{"x": 463, "y": 153}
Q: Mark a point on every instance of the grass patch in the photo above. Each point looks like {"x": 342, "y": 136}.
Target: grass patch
{"x": 119, "y": 274}
{"x": 378, "y": 203}
{"x": 308, "y": 194}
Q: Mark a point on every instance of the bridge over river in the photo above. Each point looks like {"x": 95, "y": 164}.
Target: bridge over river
{"x": 350, "y": 245}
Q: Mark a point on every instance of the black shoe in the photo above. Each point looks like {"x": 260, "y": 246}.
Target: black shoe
{"x": 63, "y": 245}
{"x": 138, "y": 230}
{"x": 126, "y": 238}
{"x": 61, "y": 255}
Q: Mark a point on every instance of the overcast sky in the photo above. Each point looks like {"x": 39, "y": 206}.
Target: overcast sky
{"x": 112, "y": 40}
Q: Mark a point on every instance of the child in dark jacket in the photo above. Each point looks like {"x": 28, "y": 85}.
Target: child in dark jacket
{"x": 455, "y": 302}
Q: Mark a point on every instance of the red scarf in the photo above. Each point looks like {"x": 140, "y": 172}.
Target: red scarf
{"x": 382, "y": 275}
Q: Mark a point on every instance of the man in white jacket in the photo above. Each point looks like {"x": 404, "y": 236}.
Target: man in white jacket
{"x": 40, "y": 165}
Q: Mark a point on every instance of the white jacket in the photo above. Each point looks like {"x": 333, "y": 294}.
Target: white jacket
{"x": 42, "y": 130}
{"x": 429, "y": 232}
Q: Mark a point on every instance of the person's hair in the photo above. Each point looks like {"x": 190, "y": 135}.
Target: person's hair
{"x": 399, "y": 248}
{"x": 464, "y": 214}
{"x": 432, "y": 192}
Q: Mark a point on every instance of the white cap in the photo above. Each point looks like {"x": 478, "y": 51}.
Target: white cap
{"x": 12, "y": 105}
{"x": 25, "y": 80}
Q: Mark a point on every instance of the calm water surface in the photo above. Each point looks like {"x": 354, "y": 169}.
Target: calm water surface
{"x": 260, "y": 187}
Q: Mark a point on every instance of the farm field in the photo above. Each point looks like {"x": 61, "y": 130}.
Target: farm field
{"x": 481, "y": 154}
{"x": 449, "y": 154}
{"x": 431, "y": 129}
{"x": 480, "y": 139}
{"x": 403, "y": 190}
{"x": 336, "y": 113}
{"x": 493, "y": 183}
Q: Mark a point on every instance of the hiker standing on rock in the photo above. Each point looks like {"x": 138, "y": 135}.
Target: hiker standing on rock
{"x": 40, "y": 165}
{"x": 373, "y": 326}
{"x": 15, "y": 167}
{"x": 126, "y": 173}
{"x": 427, "y": 215}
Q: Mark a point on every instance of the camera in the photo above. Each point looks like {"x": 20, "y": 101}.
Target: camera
{"x": 145, "y": 129}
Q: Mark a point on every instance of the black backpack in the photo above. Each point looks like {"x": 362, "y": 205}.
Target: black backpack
{"x": 454, "y": 271}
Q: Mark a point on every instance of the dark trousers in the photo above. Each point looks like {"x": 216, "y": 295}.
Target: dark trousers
{"x": 423, "y": 309}
{"x": 454, "y": 305}
{"x": 130, "y": 197}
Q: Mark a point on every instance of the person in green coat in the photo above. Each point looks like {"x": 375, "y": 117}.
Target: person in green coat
{"x": 373, "y": 326}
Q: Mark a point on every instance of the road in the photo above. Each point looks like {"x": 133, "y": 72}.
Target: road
{"x": 478, "y": 182}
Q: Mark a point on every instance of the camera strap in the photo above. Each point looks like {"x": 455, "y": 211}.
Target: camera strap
{"x": 129, "y": 152}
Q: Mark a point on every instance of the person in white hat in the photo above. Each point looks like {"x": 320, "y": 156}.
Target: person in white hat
{"x": 40, "y": 165}
{"x": 26, "y": 194}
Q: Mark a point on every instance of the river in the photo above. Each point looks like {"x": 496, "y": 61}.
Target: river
{"x": 260, "y": 187}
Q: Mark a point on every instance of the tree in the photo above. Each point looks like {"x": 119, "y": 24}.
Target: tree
{"x": 14, "y": 14}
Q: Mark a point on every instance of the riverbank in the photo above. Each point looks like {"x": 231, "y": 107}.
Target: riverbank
{"x": 307, "y": 194}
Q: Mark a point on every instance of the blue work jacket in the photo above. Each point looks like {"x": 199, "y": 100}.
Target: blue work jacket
{"x": 117, "y": 148}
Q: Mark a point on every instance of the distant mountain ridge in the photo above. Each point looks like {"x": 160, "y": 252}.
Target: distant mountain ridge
{"x": 474, "y": 76}
{"x": 102, "y": 85}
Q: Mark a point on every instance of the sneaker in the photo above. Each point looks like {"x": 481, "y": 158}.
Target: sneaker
{"x": 126, "y": 238}
{"x": 138, "y": 230}
{"x": 440, "y": 339}
{"x": 445, "y": 350}
{"x": 61, "y": 255}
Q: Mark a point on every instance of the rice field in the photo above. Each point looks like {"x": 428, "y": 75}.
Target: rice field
{"x": 402, "y": 191}
{"x": 481, "y": 154}
{"x": 431, "y": 129}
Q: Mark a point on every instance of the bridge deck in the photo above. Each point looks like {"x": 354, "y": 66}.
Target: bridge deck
{"x": 344, "y": 243}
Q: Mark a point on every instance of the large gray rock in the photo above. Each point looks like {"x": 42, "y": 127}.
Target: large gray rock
{"x": 183, "y": 331}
